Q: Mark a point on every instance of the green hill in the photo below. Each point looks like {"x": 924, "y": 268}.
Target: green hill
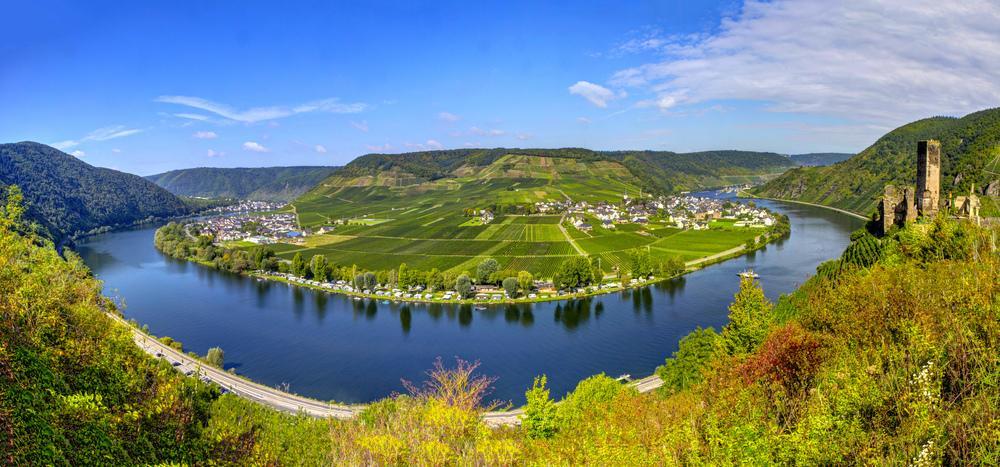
{"x": 970, "y": 147}
{"x": 887, "y": 357}
{"x": 67, "y": 196}
{"x": 815, "y": 159}
{"x": 656, "y": 171}
{"x": 258, "y": 183}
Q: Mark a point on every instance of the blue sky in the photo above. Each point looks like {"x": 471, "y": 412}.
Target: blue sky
{"x": 151, "y": 86}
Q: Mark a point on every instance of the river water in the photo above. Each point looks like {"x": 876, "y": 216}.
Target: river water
{"x": 332, "y": 347}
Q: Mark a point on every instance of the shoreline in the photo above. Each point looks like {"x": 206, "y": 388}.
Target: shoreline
{"x": 744, "y": 194}
{"x": 690, "y": 266}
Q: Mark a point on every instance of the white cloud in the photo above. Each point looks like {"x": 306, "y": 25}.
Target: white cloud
{"x": 595, "y": 93}
{"x": 448, "y": 117}
{"x": 584, "y": 120}
{"x": 429, "y": 145}
{"x": 260, "y": 114}
{"x": 213, "y": 153}
{"x": 524, "y": 136}
{"x": 100, "y": 134}
{"x": 320, "y": 149}
{"x": 116, "y": 151}
{"x": 379, "y": 148}
{"x": 205, "y": 135}
{"x": 254, "y": 147}
{"x": 198, "y": 117}
{"x": 361, "y": 126}
{"x": 862, "y": 61}
{"x": 491, "y": 132}
{"x": 78, "y": 153}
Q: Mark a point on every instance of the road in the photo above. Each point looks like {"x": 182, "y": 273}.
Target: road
{"x": 291, "y": 403}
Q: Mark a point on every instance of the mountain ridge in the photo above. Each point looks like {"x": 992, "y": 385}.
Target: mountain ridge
{"x": 278, "y": 183}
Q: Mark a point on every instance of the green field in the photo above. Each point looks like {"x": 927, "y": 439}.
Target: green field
{"x": 382, "y": 222}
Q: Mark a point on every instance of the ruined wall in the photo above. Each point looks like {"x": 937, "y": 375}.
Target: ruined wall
{"x": 928, "y": 177}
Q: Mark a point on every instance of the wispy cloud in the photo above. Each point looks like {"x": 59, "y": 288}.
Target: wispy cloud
{"x": 448, "y": 117}
{"x": 853, "y": 60}
{"x": 595, "y": 93}
{"x": 260, "y": 114}
{"x": 253, "y": 146}
{"x": 483, "y": 132}
{"x": 525, "y": 136}
{"x": 188, "y": 116}
{"x": 360, "y": 126}
{"x": 100, "y": 134}
{"x": 430, "y": 144}
{"x": 584, "y": 120}
{"x": 78, "y": 153}
{"x": 379, "y": 148}
{"x": 214, "y": 153}
{"x": 205, "y": 135}
{"x": 320, "y": 149}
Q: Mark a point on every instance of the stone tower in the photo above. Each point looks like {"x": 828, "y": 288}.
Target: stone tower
{"x": 928, "y": 177}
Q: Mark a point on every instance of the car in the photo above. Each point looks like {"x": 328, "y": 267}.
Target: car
{"x": 159, "y": 354}
{"x": 188, "y": 373}
{"x": 176, "y": 363}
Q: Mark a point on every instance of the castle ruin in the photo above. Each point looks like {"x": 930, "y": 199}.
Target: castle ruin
{"x": 902, "y": 205}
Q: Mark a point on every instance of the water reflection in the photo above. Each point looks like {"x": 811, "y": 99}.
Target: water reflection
{"x": 333, "y": 347}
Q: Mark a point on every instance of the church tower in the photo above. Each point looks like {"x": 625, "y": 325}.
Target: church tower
{"x": 928, "y": 177}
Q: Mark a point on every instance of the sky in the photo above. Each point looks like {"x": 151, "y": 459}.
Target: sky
{"x": 146, "y": 87}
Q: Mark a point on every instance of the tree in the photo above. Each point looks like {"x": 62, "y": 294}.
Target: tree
{"x": 370, "y": 281}
{"x": 215, "y": 357}
{"x": 463, "y": 285}
{"x": 640, "y": 265}
{"x": 403, "y": 278}
{"x": 672, "y": 266}
{"x": 539, "y": 419}
{"x": 485, "y": 269}
{"x": 574, "y": 272}
{"x": 318, "y": 267}
{"x": 510, "y": 285}
{"x": 693, "y": 354}
{"x": 525, "y": 280}
{"x": 299, "y": 265}
{"x": 435, "y": 280}
{"x": 359, "y": 282}
{"x": 750, "y": 317}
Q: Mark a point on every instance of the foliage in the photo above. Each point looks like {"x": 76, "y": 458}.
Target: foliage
{"x": 574, "y": 272}
{"x": 511, "y": 286}
{"x": 694, "y": 353}
{"x": 967, "y": 146}
{"x": 215, "y": 357}
{"x": 485, "y": 270}
{"x": 257, "y": 183}
{"x": 67, "y": 196}
{"x": 463, "y": 285}
{"x": 539, "y": 420}
{"x": 750, "y": 317}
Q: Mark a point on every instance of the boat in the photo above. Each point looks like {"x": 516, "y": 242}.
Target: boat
{"x": 748, "y": 274}
{"x": 480, "y": 307}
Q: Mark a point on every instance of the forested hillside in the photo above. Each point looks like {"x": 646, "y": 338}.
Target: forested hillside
{"x": 258, "y": 183}
{"x": 887, "y": 357}
{"x": 66, "y": 196}
{"x": 816, "y": 159}
{"x": 657, "y": 171}
{"x": 970, "y": 147}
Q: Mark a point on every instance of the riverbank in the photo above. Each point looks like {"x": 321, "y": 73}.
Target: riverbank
{"x": 744, "y": 194}
{"x": 591, "y": 291}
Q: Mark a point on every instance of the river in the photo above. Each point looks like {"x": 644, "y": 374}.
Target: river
{"x": 331, "y": 347}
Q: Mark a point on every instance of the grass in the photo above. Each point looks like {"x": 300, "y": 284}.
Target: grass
{"x": 424, "y": 225}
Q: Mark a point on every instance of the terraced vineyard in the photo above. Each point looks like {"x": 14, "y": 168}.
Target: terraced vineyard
{"x": 382, "y": 221}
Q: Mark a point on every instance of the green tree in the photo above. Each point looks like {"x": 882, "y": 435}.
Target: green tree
{"x": 574, "y": 272}
{"x": 525, "y": 280}
{"x": 435, "y": 280}
{"x": 359, "y": 282}
{"x": 370, "y": 281}
{"x": 750, "y": 317}
{"x": 672, "y": 266}
{"x": 539, "y": 419}
{"x": 403, "y": 277}
{"x": 693, "y": 354}
{"x": 510, "y": 285}
{"x": 215, "y": 357}
{"x": 318, "y": 267}
{"x": 640, "y": 264}
{"x": 485, "y": 269}
{"x": 299, "y": 265}
{"x": 463, "y": 285}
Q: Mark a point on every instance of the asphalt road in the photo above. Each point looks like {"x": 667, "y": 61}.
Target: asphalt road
{"x": 292, "y": 403}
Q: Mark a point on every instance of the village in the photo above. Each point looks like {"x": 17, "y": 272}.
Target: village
{"x": 246, "y": 206}
{"x": 257, "y": 228}
{"x": 682, "y": 212}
